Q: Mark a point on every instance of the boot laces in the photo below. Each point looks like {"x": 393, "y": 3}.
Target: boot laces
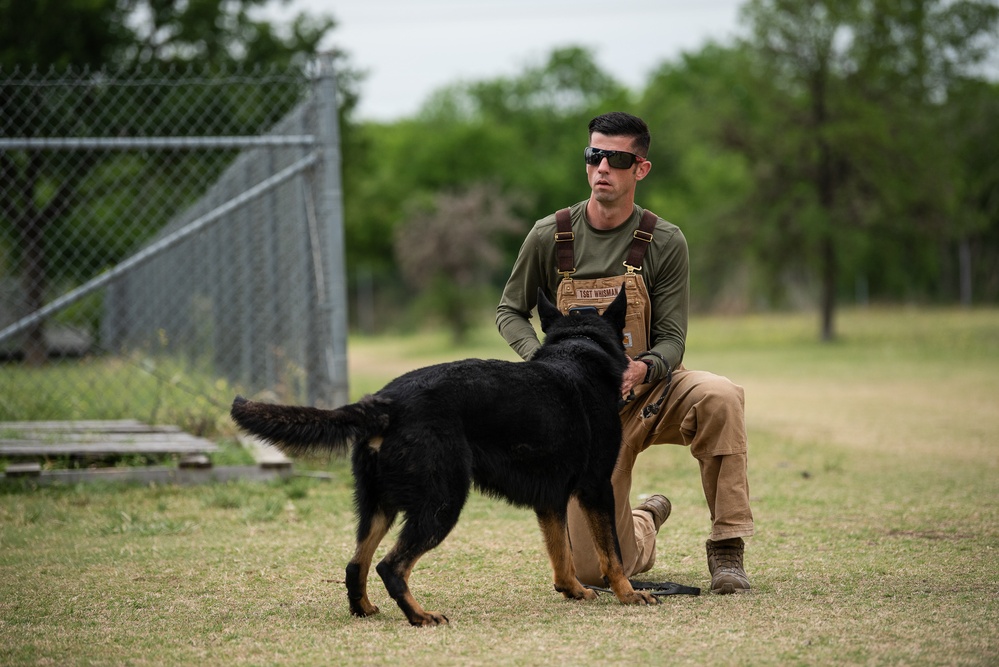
{"x": 730, "y": 557}
{"x": 727, "y": 556}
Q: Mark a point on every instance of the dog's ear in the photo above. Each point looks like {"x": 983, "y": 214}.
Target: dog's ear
{"x": 616, "y": 311}
{"x": 547, "y": 311}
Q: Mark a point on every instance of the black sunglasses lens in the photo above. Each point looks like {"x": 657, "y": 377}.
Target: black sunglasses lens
{"x": 616, "y": 159}
{"x": 621, "y": 160}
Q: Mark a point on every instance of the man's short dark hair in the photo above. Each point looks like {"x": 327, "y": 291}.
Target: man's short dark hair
{"x": 621, "y": 124}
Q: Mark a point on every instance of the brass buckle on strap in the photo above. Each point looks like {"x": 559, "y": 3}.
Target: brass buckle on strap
{"x": 562, "y": 237}
{"x": 642, "y": 235}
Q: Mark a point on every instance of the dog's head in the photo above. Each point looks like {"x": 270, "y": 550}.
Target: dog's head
{"x": 614, "y": 314}
{"x": 607, "y": 326}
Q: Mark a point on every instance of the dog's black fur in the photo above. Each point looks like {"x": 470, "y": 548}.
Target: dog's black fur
{"x": 534, "y": 433}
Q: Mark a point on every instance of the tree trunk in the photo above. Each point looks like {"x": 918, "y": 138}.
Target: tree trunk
{"x": 826, "y": 190}
{"x": 829, "y": 275}
{"x": 30, "y": 221}
{"x": 964, "y": 270}
{"x": 33, "y": 276}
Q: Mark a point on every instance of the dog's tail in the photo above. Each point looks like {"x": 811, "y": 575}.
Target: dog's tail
{"x": 299, "y": 430}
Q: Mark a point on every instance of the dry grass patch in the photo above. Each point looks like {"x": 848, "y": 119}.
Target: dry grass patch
{"x": 873, "y": 472}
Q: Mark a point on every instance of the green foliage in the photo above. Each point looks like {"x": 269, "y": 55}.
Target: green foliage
{"x": 832, "y": 156}
{"x": 62, "y": 32}
{"x": 856, "y": 163}
{"x": 844, "y": 150}
{"x": 99, "y": 33}
{"x": 699, "y": 181}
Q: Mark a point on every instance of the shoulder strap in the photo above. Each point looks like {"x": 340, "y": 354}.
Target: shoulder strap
{"x": 564, "y": 238}
{"x": 642, "y": 240}
{"x": 563, "y": 243}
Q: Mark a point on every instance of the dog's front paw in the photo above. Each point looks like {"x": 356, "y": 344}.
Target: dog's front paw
{"x": 576, "y": 592}
{"x": 638, "y": 597}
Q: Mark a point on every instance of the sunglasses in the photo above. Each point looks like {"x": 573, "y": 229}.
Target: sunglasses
{"x": 616, "y": 159}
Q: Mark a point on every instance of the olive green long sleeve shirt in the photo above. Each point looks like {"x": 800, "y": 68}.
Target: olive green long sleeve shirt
{"x": 600, "y": 254}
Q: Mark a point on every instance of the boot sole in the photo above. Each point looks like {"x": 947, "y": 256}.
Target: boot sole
{"x": 728, "y": 589}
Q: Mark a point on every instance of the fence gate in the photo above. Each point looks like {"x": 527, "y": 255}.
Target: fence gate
{"x": 168, "y": 238}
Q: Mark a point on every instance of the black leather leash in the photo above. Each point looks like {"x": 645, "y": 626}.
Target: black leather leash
{"x": 654, "y": 588}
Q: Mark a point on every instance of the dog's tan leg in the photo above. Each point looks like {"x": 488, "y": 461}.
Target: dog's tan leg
{"x": 360, "y": 565}
{"x": 553, "y": 529}
{"x": 609, "y": 555}
{"x": 431, "y": 512}
{"x": 395, "y": 574}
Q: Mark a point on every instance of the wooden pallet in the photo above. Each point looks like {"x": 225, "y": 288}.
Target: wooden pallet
{"x": 93, "y": 439}
{"x": 25, "y": 444}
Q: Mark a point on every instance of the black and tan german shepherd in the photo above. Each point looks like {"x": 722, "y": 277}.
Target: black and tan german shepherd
{"x": 534, "y": 433}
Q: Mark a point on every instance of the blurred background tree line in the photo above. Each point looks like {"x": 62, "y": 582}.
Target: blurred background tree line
{"x": 842, "y": 152}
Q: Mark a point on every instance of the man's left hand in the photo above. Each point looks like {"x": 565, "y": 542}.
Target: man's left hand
{"x": 633, "y": 376}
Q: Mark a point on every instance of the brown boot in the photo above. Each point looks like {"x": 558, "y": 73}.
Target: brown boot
{"x": 659, "y": 507}
{"x": 725, "y": 566}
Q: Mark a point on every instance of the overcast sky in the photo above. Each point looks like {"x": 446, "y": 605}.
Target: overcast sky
{"x": 409, "y": 48}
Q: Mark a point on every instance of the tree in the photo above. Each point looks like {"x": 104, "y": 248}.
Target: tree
{"x": 448, "y": 250}
{"x": 970, "y": 127}
{"x": 214, "y": 34}
{"x": 700, "y": 180}
{"x": 855, "y": 90}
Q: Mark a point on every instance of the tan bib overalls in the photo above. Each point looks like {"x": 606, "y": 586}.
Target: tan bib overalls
{"x": 702, "y": 410}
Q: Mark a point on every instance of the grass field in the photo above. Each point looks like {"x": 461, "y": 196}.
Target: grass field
{"x": 873, "y": 470}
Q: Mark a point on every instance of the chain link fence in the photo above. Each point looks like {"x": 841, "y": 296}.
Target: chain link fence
{"x": 167, "y": 239}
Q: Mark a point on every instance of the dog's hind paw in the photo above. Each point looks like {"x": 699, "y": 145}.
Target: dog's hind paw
{"x": 429, "y": 618}
{"x": 363, "y": 611}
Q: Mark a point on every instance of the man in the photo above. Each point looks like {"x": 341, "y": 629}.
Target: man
{"x": 576, "y": 256}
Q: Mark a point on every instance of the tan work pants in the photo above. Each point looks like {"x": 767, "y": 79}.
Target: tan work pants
{"x": 703, "y": 411}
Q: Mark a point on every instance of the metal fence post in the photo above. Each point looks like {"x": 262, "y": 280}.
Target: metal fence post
{"x": 329, "y": 212}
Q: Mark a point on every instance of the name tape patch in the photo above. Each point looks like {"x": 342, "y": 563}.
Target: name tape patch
{"x": 597, "y": 293}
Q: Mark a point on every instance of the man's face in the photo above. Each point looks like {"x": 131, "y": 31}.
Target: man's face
{"x": 607, "y": 183}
